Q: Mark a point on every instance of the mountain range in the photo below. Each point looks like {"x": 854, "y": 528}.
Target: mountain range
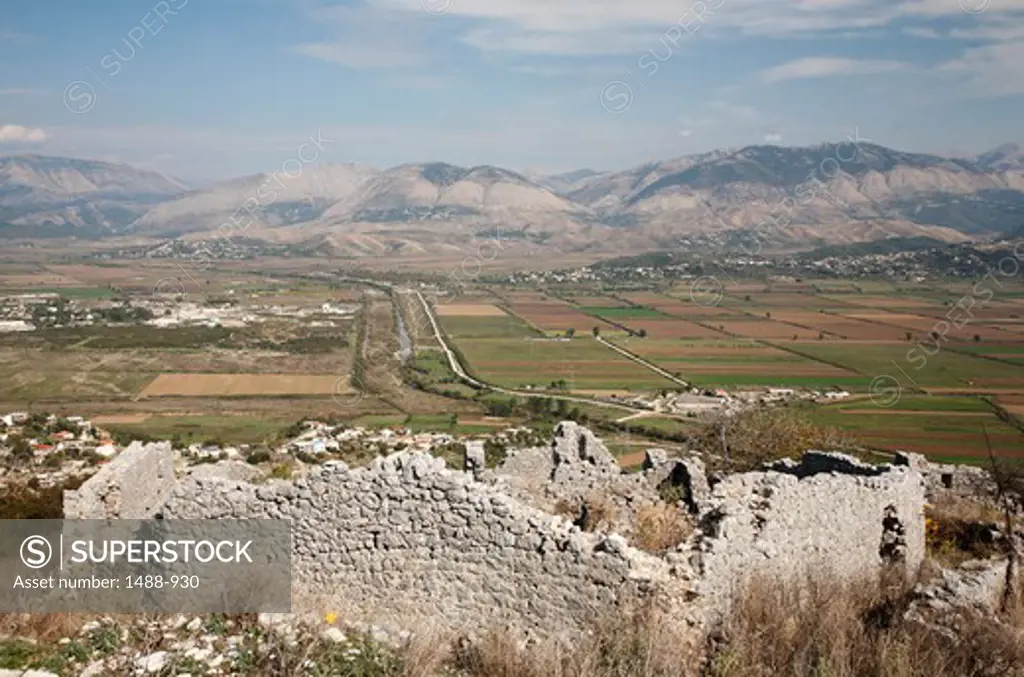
{"x": 871, "y": 192}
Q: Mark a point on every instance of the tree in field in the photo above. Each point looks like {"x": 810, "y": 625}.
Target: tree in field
{"x": 642, "y": 333}
{"x": 597, "y": 331}
{"x": 570, "y": 332}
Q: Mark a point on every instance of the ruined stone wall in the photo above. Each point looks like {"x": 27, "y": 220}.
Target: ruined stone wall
{"x": 951, "y": 481}
{"x": 407, "y": 540}
{"x": 576, "y": 473}
{"x": 828, "y": 515}
{"x": 132, "y": 486}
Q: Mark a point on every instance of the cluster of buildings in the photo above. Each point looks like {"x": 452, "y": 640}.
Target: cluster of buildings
{"x": 696, "y": 401}
{"x": 318, "y": 437}
{"x": 51, "y": 448}
{"x": 28, "y": 312}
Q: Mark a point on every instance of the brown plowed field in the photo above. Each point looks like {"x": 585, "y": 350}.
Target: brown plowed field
{"x": 469, "y": 310}
{"x": 763, "y": 329}
{"x": 845, "y": 327}
{"x": 673, "y": 329}
{"x": 227, "y": 385}
{"x": 683, "y": 307}
{"x": 882, "y": 301}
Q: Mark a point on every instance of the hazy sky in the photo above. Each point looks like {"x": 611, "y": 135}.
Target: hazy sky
{"x": 211, "y": 88}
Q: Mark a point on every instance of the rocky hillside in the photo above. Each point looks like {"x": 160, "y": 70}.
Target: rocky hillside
{"x": 84, "y": 195}
{"x": 276, "y": 200}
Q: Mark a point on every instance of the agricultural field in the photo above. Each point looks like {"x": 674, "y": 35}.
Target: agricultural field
{"x": 763, "y": 329}
{"x": 668, "y": 328}
{"x": 582, "y": 363}
{"x": 925, "y": 325}
{"x": 556, "y": 317}
{"x": 482, "y": 321}
{"x": 623, "y": 313}
{"x": 245, "y": 385}
{"x": 594, "y": 301}
{"x": 469, "y": 310}
{"x": 886, "y": 302}
{"x": 681, "y": 306}
{"x": 205, "y": 429}
{"x": 913, "y": 369}
{"x": 946, "y": 429}
{"x": 837, "y": 326}
{"x": 1013, "y": 353}
{"x": 736, "y": 364}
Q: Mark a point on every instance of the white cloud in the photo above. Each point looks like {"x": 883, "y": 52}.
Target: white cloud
{"x": 824, "y": 66}
{"x": 686, "y": 133}
{"x": 19, "y": 134}
{"x": 367, "y": 36}
{"x": 772, "y": 138}
{"x": 574, "y": 27}
{"x": 996, "y": 69}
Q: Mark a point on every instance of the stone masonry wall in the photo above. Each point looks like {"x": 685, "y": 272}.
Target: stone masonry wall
{"x": 407, "y": 540}
{"x": 575, "y": 471}
{"x": 132, "y": 486}
{"x": 828, "y": 515}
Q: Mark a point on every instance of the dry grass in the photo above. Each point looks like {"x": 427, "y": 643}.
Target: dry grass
{"x": 856, "y": 631}
{"x": 959, "y": 530}
{"x": 642, "y": 642}
{"x": 41, "y": 627}
{"x": 595, "y": 512}
{"x": 661, "y": 527}
{"x": 824, "y": 630}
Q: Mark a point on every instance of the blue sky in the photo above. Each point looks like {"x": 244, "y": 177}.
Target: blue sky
{"x": 213, "y": 88}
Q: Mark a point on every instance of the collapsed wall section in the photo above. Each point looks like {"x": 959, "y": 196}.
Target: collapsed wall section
{"x": 132, "y": 486}
{"x": 407, "y": 540}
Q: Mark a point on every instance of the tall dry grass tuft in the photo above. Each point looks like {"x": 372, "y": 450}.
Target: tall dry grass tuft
{"x": 856, "y": 631}
{"x": 643, "y": 642}
{"x": 43, "y": 627}
{"x": 661, "y": 527}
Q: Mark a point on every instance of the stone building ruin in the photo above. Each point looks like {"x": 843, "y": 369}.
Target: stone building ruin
{"x": 407, "y": 539}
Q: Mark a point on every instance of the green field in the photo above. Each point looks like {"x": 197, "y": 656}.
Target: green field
{"x": 78, "y": 293}
{"x": 230, "y": 429}
{"x": 911, "y": 368}
{"x": 582, "y": 363}
{"x": 953, "y": 432}
{"x": 508, "y": 326}
{"x": 627, "y": 313}
{"x": 923, "y": 403}
{"x": 742, "y": 363}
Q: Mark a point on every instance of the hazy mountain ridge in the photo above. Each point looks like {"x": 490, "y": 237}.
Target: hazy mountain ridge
{"x": 73, "y": 193}
{"x": 878, "y": 192}
{"x": 277, "y": 200}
